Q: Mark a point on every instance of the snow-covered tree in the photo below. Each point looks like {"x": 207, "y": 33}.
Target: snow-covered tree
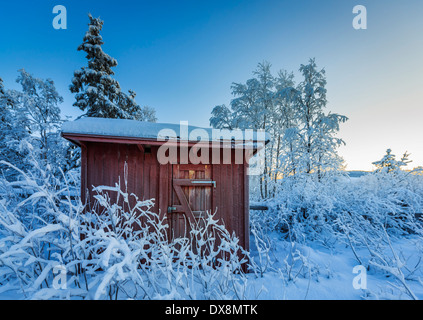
{"x": 13, "y": 130}
{"x": 222, "y": 118}
{"x": 303, "y": 136}
{"x": 389, "y": 164}
{"x": 96, "y": 91}
{"x": 284, "y": 127}
{"x": 251, "y": 105}
{"x": 252, "y": 108}
{"x": 316, "y": 129}
{"x": 253, "y": 100}
{"x": 29, "y": 124}
{"x": 145, "y": 113}
{"x": 40, "y": 101}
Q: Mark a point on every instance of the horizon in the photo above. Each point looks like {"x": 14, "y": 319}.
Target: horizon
{"x": 181, "y": 58}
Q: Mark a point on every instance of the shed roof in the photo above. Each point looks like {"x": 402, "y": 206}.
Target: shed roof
{"x": 133, "y": 130}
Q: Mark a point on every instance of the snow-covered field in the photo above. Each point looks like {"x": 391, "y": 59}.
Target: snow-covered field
{"x": 328, "y": 274}
{"x": 342, "y": 238}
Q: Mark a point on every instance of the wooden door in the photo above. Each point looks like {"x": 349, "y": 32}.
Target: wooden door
{"x": 191, "y": 198}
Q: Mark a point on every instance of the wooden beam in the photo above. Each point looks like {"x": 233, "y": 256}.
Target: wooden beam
{"x": 259, "y": 208}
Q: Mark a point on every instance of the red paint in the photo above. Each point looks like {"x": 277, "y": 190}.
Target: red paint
{"x": 103, "y": 162}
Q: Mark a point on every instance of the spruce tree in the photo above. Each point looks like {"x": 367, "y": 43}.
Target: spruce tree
{"x": 389, "y": 163}
{"x": 96, "y": 91}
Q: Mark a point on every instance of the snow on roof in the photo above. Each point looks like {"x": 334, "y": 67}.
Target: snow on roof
{"x": 149, "y": 130}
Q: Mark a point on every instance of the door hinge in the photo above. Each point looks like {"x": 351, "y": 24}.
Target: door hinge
{"x": 171, "y": 209}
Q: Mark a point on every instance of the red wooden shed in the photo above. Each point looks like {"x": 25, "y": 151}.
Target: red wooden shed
{"x": 187, "y": 170}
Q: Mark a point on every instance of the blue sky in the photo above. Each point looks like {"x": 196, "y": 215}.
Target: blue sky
{"x": 182, "y": 56}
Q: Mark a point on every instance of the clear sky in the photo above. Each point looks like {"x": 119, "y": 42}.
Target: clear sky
{"x": 182, "y": 56}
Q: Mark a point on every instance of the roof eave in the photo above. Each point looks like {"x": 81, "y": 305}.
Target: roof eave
{"x": 79, "y": 138}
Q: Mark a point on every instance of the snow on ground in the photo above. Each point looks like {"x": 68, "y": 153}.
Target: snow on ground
{"x": 327, "y": 274}
{"x": 331, "y": 274}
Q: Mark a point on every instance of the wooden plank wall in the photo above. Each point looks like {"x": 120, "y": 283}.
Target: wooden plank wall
{"x": 103, "y": 164}
{"x": 231, "y": 200}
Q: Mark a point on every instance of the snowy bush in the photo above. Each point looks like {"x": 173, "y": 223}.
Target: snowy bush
{"x": 318, "y": 209}
{"x": 367, "y": 214}
{"x": 260, "y": 231}
{"x": 117, "y": 250}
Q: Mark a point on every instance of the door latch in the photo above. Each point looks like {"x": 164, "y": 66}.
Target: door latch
{"x": 204, "y": 181}
{"x": 171, "y": 209}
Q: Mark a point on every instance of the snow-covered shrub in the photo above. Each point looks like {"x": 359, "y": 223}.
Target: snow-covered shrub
{"x": 271, "y": 254}
{"x": 262, "y": 243}
{"x": 217, "y": 260}
{"x": 37, "y": 223}
{"x": 52, "y": 247}
{"x": 127, "y": 253}
{"x": 319, "y": 210}
{"x": 365, "y": 213}
{"x": 304, "y": 207}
